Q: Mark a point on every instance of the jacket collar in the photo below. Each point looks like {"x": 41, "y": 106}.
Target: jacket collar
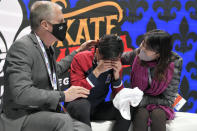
{"x": 32, "y": 35}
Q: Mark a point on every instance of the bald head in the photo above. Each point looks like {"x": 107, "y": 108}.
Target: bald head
{"x": 42, "y": 10}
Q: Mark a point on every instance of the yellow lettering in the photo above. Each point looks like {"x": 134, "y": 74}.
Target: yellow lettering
{"x": 59, "y": 44}
{"x": 68, "y": 37}
{"x": 96, "y": 21}
{"x": 82, "y": 27}
{"x": 109, "y": 26}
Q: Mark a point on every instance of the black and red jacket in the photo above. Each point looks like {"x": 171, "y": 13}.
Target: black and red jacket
{"x": 82, "y": 75}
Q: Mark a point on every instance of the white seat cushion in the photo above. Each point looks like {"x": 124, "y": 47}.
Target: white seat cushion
{"x": 182, "y": 122}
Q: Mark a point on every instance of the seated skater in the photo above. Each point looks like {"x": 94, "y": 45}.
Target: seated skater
{"x": 96, "y": 70}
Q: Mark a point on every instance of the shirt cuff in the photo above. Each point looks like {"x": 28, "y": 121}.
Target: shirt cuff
{"x": 62, "y": 96}
{"x": 117, "y": 83}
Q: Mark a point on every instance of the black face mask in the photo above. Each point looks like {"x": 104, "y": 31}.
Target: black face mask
{"x": 59, "y": 31}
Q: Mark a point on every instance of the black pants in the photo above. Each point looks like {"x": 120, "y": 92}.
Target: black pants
{"x": 81, "y": 110}
{"x": 141, "y": 116}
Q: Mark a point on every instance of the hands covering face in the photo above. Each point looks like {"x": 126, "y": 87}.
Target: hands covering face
{"x": 105, "y": 65}
{"x": 116, "y": 66}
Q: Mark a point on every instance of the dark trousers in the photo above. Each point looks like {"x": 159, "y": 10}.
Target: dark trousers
{"x": 81, "y": 110}
{"x": 141, "y": 116}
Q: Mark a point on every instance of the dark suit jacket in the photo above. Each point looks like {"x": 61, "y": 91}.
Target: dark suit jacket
{"x": 27, "y": 84}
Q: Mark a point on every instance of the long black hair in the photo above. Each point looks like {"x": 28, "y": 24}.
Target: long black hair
{"x": 160, "y": 42}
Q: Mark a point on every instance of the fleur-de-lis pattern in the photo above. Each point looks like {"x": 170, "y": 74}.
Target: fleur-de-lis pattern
{"x": 184, "y": 36}
{"x": 190, "y": 96}
{"x": 132, "y": 6}
{"x": 167, "y": 6}
{"x": 178, "y": 17}
{"x": 150, "y": 26}
{"x": 193, "y": 65}
{"x": 191, "y": 6}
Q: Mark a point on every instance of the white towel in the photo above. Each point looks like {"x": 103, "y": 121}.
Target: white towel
{"x": 125, "y": 98}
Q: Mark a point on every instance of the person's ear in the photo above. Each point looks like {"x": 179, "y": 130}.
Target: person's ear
{"x": 44, "y": 24}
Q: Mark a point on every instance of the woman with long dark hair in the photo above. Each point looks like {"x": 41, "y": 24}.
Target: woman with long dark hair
{"x": 156, "y": 70}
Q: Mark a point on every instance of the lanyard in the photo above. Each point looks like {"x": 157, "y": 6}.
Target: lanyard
{"x": 46, "y": 59}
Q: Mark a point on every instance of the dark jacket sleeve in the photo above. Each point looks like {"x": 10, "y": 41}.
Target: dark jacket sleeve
{"x": 168, "y": 96}
{"x": 128, "y": 57}
{"x": 18, "y": 79}
{"x": 65, "y": 63}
